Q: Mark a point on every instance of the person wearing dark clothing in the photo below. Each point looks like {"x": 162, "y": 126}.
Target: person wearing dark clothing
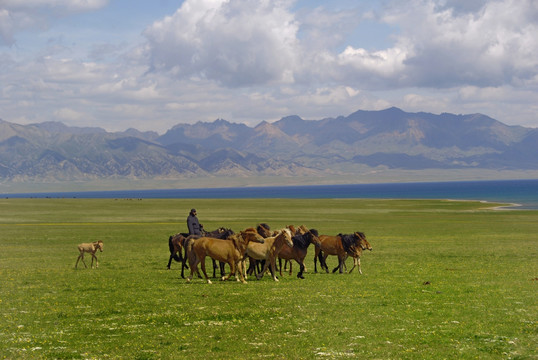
{"x": 193, "y": 224}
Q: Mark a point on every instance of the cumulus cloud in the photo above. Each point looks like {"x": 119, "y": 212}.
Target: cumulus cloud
{"x": 440, "y": 44}
{"x": 235, "y": 43}
{"x": 493, "y": 46}
{"x": 248, "y": 61}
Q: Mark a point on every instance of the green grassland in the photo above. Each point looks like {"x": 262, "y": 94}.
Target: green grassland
{"x": 445, "y": 279}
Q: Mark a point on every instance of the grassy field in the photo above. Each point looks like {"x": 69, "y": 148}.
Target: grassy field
{"x": 445, "y": 279}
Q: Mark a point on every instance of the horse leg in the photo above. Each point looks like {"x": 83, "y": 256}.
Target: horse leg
{"x": 262, "y": 272}
{"x": 202, "y": 261}
{"x": 354, "y": 265}
{"x": 82, "y": 258}
{"x": 340, "y": 266}
{"x": 301, "y": 268}
{"x": 78, "y": 259}
{"x": 273, "y": 268}
{"x": 241, "y": 277}
{"x": 193, "y": 260}
{"x": 344, "y": 266}
{"x": 325, "y": 266}
{"x": 96, "y": 262}
{"x": 291, "y": 266}
{"x": 233, "y": 270}
{"x": 214, "y": 267}
{"x": 251, "y": 266}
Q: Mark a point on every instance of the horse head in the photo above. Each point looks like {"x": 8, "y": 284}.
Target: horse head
{"x": 314, "y": 237}
{"x": 251, "y": 234}
{"x": 287, "y": 237}
{"x": 99, "y": 245}
{"x": 292, "y": 229}
{"x": 361, "y": 240}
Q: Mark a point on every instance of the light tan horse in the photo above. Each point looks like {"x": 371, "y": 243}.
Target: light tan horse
{"x": 90, "y": 248}
{"x": 269, "y": 250}
{"x": 231, "y": 251}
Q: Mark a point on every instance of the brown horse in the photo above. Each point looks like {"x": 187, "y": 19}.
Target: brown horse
{"x": 269, "y": 250}
{"x": 301, "y": 240}
{"x": 342, "y": 246}
{"x": 90, "y": 248}
{"x": 230, "y": 251}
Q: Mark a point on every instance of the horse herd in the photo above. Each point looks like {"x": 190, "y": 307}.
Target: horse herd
{"x": 262, "y": 247}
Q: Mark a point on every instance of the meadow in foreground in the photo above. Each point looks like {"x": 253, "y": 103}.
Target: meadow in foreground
{"x": 445, "y": 279}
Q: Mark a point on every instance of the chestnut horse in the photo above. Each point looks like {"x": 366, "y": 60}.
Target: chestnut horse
{"x": 177, "y": 243}
{"x": 90, "y": 248}
{"x": 301, "y": 240}
{"x": 342, "y": 246}
{"x": 230, "y": 251}
{"x": 269, "y": 250}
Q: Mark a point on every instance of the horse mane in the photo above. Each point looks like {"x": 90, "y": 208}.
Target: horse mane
{"x": 263, "y": 225}
{"x": 301, "y": 240}
{"x": 220, "y": 233}
{"x": 264, "y": 230}
{"x": 348, "y": 241}
{"x": 282, "y": 232}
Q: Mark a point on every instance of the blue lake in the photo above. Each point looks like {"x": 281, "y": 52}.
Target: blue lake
{"x": 523, "y": 192}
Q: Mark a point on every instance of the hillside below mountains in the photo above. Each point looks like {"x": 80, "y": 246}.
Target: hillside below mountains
{"x": 291, "y": 146}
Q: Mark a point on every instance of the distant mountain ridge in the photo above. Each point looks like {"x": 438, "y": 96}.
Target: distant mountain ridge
{"x": 291, "y": 146}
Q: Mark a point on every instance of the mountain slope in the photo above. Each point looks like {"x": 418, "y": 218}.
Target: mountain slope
{"x": 291, "y": 146}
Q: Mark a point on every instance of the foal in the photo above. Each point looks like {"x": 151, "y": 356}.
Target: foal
{"x": 89, "y": 248}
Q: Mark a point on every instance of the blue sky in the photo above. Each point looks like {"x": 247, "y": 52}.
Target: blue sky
{"x": 150, "y": 65}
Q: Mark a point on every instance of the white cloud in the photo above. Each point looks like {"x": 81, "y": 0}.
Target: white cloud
{"x": 248, "y": 61}
{"x": 493, "y": 46}
{"x": 236, "y": 42}
{"x": 19, "y": 15}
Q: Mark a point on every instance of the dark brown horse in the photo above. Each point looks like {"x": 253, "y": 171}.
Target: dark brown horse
{"x": 342, "y": 246}
{"x": 231, "y": 251}
{"x": 301, "y": 240}
{"x": 177, "y": 243}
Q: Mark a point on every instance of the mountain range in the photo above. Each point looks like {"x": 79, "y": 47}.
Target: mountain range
{"x": 291, "y": 146}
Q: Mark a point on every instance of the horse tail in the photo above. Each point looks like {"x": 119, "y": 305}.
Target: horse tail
{"x": 320, "y": 257}
{"x": 190, "y": 255}
{"x": 173, "y": 253}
